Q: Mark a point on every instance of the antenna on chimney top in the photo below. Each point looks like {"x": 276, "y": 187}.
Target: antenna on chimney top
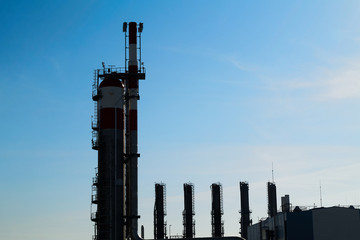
{"x": 272, "y": 171}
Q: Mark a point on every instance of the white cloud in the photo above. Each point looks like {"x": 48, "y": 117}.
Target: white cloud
{"x": 331, "y": 84}
{"x": 342, "y": 85}
{"x": 339, "y": 82}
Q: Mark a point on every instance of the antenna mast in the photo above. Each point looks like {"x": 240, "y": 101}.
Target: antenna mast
{"x": 321, "y": 205}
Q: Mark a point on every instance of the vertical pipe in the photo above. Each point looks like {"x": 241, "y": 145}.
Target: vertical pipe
{"x": 142, "y": 232}
{"x": 131, "y": 135}
{"x": 119, "y": 169}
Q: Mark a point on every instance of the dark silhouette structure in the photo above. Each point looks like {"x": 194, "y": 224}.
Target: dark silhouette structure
{"x": 245, "y": 220}
{"x": 189, "y": 211}
{"x": 285, "y": 203}
{"x": 272, "y": 204}
{"x": 322, "y": 223}
{"x": 160, "y": 211}
{"x": 115, "y": 191}
{"x": 217, "y": 210}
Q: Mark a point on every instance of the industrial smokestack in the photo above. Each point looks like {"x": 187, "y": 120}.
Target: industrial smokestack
{"x": 245, "y": 221}
{"x": 131, "y": 83}
{"x": 285, "y": 203}
{"x": 109, "y": 130}
{"x": 131, "y": 148}
{"x": 115, "y": 92}
{"x": 217, "y": 210}
{"x": 272, "y": 204}
{"x": 189, "y": 211}
{"x": 160, "y": 211}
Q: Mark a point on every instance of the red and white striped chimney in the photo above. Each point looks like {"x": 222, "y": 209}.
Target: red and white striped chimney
{"x": 111, "y": 163}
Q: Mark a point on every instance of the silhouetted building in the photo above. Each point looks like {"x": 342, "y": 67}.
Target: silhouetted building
{"x": 334, "y": 223}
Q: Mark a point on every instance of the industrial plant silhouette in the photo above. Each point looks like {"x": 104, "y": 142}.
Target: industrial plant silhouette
{"x": 115, "y": 92}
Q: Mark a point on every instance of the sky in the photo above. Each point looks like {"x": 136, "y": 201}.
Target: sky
{"x": 232, "y": 88}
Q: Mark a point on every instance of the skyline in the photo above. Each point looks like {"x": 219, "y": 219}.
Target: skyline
{"x": 230, "y": 90}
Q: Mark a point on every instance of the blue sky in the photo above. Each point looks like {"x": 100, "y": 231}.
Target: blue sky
{"x": 232, "y": 87}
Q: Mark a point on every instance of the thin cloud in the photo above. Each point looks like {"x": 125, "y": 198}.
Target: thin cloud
{"x": 237, "y": 64}
{"x": 343, "y": 85}
{"x": 332, "y": 84}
